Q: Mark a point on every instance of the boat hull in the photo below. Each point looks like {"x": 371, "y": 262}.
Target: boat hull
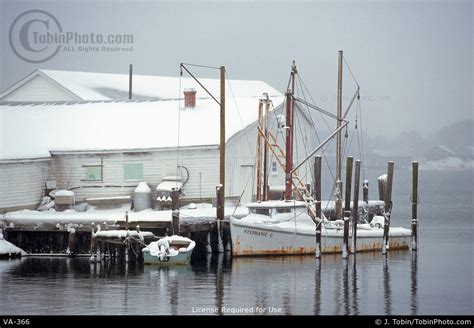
{"x": 250, "y": 239}
{"x": 182, "y": 258}
{"x": 171, "y": 250}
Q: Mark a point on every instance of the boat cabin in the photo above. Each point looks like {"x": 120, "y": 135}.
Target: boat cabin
{"x": 274, "y": 208}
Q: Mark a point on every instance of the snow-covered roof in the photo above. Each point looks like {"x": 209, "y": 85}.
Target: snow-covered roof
{"x": 88, "y": 86}
{"x": 34, "y": 130}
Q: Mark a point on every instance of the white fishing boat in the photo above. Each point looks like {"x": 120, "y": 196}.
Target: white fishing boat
{"x": 285, "y": 227}
{"x": 171, "y": 250}
{"x": 296, "y": 224}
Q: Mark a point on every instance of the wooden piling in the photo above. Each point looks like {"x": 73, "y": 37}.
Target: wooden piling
{"x": 93, "y": 257}
{"x": 175, "y": 211}
{"x": 382, "y": 186}
{"x": 217, "y": 226}
{"x": 388, "y": 206}
{"x": 355, "y": 207}
{"x": 71, "y": 244}
{"x": 365, "y": 195}
{"x": 347, "y": 207}
{"x": 317, "y": 197}
{"x": 414, "y": 207}
{"x": 126, "y": 220}
{"x": 221, "y": 196}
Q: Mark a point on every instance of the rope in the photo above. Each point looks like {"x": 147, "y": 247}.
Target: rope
{"x": 238, "y": 112}
{"x": 251, "y": 177}
{"x": 348, "y": 67}
{"x": 203, "y": 66}
{"x": 300, "y": 80}
{"x": 361, "y": 138}
{"x": 179, "y": 123}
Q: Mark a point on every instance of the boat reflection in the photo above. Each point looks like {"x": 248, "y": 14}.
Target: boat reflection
{"x": 218, "y": 284}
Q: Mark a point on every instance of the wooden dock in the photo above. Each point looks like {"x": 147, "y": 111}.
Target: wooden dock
{"x": 72, "y": 233}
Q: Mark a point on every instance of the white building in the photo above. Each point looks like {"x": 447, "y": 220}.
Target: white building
{"x": 79, "y": 130}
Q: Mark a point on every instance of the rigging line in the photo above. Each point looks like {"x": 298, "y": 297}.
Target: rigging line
{"x": 349, "y": 68}
{"x": 352, "y": 137}
{"x": 303, "y": 137}
{"x": 361, "y": 138}
{"x": 348, "y": 147}
{"x": 319, "y": 109}
{"x": 313, "y": 101}
{"x": 203, "y": 66}
{"x": 279, "y": 131}
{"x": 202, "y": 86}
{"x": 358, "y": 133}
{"x": 301, "y": 82}
{"x": 345, "y": 149}
{"x": 238, "y": 112}
{"x": 251, "y": 177}
{"x": 179, "y": 124}
{"x": 289, "y": 81}
{"x": 304, "y": 145}
{"x": 317, "y": 136}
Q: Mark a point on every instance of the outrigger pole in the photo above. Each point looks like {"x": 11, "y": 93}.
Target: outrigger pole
{"x": 289, "y": 134}
{"x": 221, "y": 103}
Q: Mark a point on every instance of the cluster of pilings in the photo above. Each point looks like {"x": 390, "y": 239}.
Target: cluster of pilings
{"x": 350, "y": 215}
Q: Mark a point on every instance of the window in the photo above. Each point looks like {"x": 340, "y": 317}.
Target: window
{"x": 261, "y": 211}
{"x": 284, "y": 210}
{"x": 93, "y": 173}
{"x": 133, "y": 171}
{"x": 274, "y": 168}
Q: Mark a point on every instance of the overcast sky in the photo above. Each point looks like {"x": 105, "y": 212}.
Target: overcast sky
{"x": 413, "y": 60}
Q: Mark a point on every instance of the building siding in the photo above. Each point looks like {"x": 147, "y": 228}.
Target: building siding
{"x": 21, "y": 184}
{"x": 202, "y": 164}
{"x": 39, "y": 89}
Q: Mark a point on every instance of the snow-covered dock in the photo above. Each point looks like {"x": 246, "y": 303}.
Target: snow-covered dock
{"x": 56, "y": 231}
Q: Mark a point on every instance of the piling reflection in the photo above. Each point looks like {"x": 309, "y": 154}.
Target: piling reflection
{"x": 386, "y": 287}
{"x": 289, "y": 284}
{"x": 355, "y": 301}
{"x": 414, "y": 283}
{"x": 317, "y": 288}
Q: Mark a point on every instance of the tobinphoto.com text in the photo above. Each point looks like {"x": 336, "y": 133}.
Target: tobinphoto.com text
{"x": 36, "y": 36}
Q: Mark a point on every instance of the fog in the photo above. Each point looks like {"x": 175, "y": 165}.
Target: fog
{"x": 413, "y": 60}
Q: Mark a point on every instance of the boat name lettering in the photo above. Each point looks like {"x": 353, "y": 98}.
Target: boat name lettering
{"x": 258, "y": 233}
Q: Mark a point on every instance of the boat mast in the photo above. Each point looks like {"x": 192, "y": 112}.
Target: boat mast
{"x": 339, "y": 138}
{"x": 265, "y": 149}
{"x": 289, "y": 134}
{"x": 259, "y": 151}
{"x": 221, "y": 194}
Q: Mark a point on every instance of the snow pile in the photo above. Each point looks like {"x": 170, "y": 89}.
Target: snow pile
{"x": 62, "y": 193}
{"x": 123, "y": 233}
{"x": 383, "y": 177}
{"x": 143, "y": 187}
{"x": 7, "y": 248}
